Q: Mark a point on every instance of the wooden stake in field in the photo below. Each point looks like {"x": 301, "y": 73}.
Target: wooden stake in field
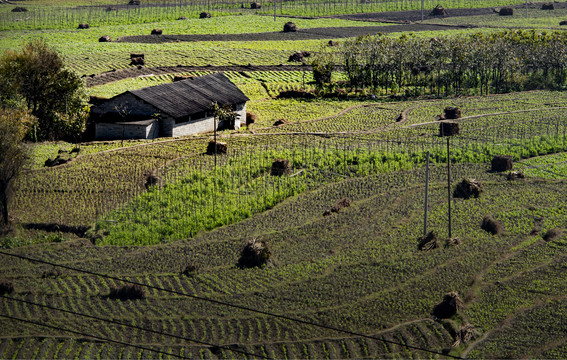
{"x": 449, "y": 185}
{"x": 426, "y": 194}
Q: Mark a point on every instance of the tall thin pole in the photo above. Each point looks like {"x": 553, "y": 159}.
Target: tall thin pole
{"x": 275, "y": 9}
{"x": 422, "y": 14}
{"x": 426, "y": 195}
{"x": 526, "y": 8}
{"x": 449, "y": 185}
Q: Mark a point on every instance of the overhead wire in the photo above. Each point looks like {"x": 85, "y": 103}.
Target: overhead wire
{"x": 235, "y": 306}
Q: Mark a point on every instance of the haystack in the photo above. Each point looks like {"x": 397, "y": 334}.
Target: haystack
{"x": 298, "y": 56}
{"x": 296, "y": 94}
{"x": 281, "y": 122}
{"x": 463, "y": 335}
{"x": 104, "y": 38}
{"x": 255, "y": 5}
{"x": 6, "y": 287}
{"x": 548, "y": 6}
{"x": 204, "y": 15}
{"x": 157, "y": 32}
{"x": 506, "y": 11}
{"x": 467, "y": 188}
{"x": 182, "y": 77}
{"x": 111, "y": 8}
{"x": 182, "y": 18}
{"x": 55, "y": 161}
{"x": 289, "y": 27}
{"x": 428, "y": 242}
{"x": 153, "y": 179}
{"x": 134, "y": 2}
{"x": 83, "y": 26}
{"x": 333, "y": 43}
{"x": 563, "y": 22}
{"x": 137, "y": 61}
{"x": 515, "y": 175}
{"x": 251, "y": 118}
{"x": 438, "y": 11}
{"x": 449, "y": 128}
{"x": 452, "y": 113}
{"x": 255, "y": 253}
{"x": 189, "y": 270}
{"x": 127, "y": 292}
{"x": 19, "y": 9}
{"x": 491, "y": 225}
{"x": 137, "y": 56}
{"x": 450, "y": 305}
{"x": 501, "y": 163}
{"x": 221, "y": 147}
{"x": 552, "y": 234}
{"x": 341, "y": 204}
{"x": 280, "y": 167}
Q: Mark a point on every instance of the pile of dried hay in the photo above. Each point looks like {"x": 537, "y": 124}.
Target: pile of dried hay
{"x": 153, "y": 179}
{"x": 289, "y": 27}
{"x": 548, "y": 6}
{"x": 451, "y": 113}
{"x": 451, "y": 304}
{"x": 189, "y": 270}
{"x": 19, "y": 9}
{"x": 182, "y": 18}
{"x": 333, "y": 43}
{"x": 126, "y": 292}
{"x": 83, "y": 26}
{"x": 515, "y": 175}
{"x": 468, "y": 188}
{"x": 280, "y": 167}
{"x": 438, "y": 11}
{"x": 255, "y": 5}
{"x": 563, "y": 22}
{"x": 298, "y": 56}
{"x": 506, "y": 11}
{"x": 255, "y": 253}
{"x": 204, "y": 15}
{"x": 454, "y": 241}
{"x": 464, "y": 335}
{"x": 491, "y": 225}
{"x": 55, "y": 161}
{"x": 296, "y": 94}
{"x": 449, "y": 128}
{"x": 251, "y": 118}
{"x": 338, "y": 206}
{"x": 281, "y": 122}
{"x": 134, "y": 2}
{"x": 428, "y": 242}
{"x": 220, "y": 147}
{"x": 6, "y": 287}
{"x": 137, "y": 59}
{"x": 157, "y": 32}
{"x": 552, "y": 234}
{"x": 111, "y": 8}
{"x": 104, "y": 38}
{"x": 182, "y": 77}
{"x": 501, "y": 163}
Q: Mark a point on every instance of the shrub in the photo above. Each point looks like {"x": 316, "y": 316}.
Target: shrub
{"x": 127, "y": 292}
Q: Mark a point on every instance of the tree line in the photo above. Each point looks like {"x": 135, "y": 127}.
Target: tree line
{"x": 477, "y": 64}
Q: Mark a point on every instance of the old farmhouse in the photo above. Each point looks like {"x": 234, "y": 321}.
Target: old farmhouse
{"x": 169, "y": 110}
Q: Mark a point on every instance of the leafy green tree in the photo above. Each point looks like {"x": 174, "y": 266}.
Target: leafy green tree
{"x": 35, "y": 77}
{"x": 14, "y": 124}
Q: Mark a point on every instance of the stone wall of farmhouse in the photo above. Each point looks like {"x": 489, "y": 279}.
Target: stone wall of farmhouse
{"x": 118, "y": 131}
{"x": 205, "y": 124}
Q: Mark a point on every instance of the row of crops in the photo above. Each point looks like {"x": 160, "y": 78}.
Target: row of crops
{"x": 52, "y": 17}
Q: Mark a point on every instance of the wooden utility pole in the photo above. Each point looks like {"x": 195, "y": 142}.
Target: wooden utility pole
{"x": 426, "y": 195}
{"x": 422, "y": 14}
{"x": 449, "y": 185}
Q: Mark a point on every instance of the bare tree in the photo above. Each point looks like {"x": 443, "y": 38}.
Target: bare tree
{"x": 14, "y": 125}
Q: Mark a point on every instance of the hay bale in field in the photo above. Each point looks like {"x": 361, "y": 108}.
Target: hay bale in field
{"x": 255, "y": 5}
{"x": 251, "y": 118}
{"x": 563, "y": 23}
{"x": 19, "y": 9}
{"x": 506, "y": 11}
{"x": 6, "y": 287}
{"x": 255, "y": 253}
{"x": 449, "y": 128}
{"x": 83, "y": 26}
{"x": 491, "y": 225}
{"x": 182, "y": 77}
{"x": 428, "y": 242}
{"x": 438, "y": 11}
{"x": 182, "y": 18}
{"x": 137, "y": 61}
{"x": 296, "y": 57}
{"x": 467, "y": 188}
{"x": 280, "y": 167}
{"x": 451, "y": 113}
{"x": 515, "y": 175}
{"x": 463, "y": 335}
{"x": 289, "y": 27}
{"x": 454, "y": 241}
{"x": 137, "y": 56}
{"x": 157, "y": 32}
{"x": 451, "y": 304}
{"x": 295, "y": 94}
{"x": 189, "y": 270}
{"x": 127, "y": 292}
{"x": 204, "y": 15}
{"x": 153, "y": 179}
{"x": 333, "y": 43}
{"x": 104, "y": 38}
{"x": 111, "y": 8}
{"x": 220, "y": 147}
{"x": 548, "y": 6}
{"x": 552, "y": 234}
{"x": 341, "y": 204}
{"x": 501, "y": 163}
{"x": 134, "y": 2}
{"x": 55, "y": 161}
{"x": 281, "y": 122}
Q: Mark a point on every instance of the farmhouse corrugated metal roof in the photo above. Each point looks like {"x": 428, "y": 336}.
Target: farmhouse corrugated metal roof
{"x": 193, "y": 95}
